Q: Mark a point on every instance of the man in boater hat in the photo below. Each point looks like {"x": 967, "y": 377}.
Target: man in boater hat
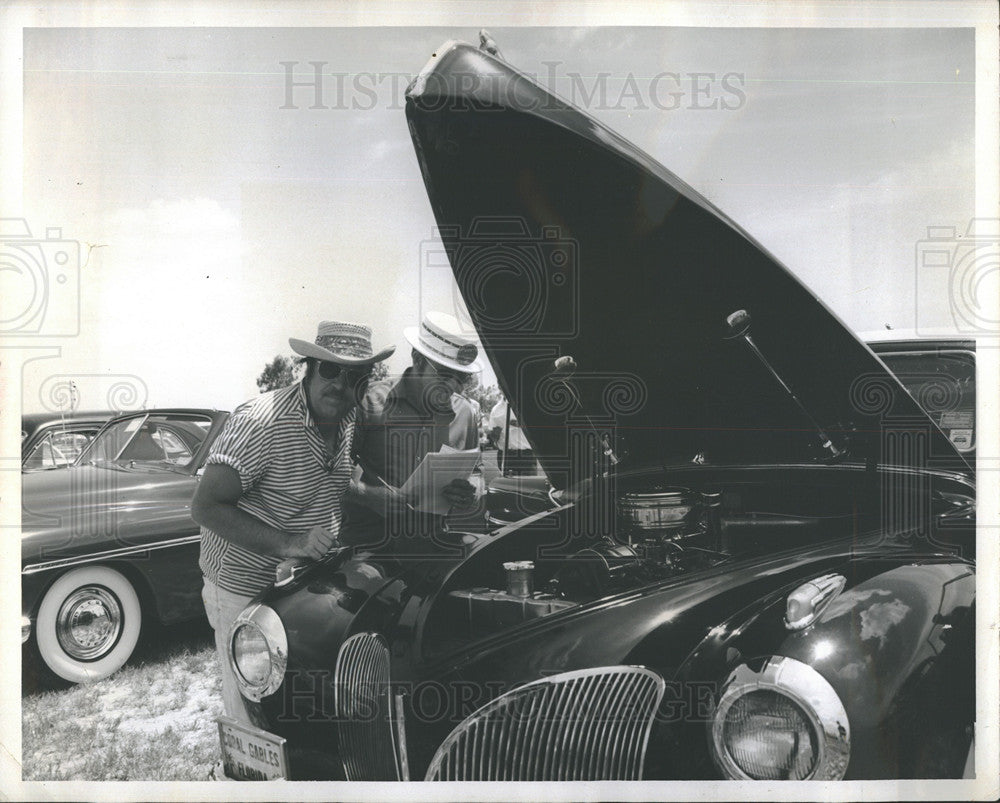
{"x": 275, "y": 478}
{"x": 403, "y": 419}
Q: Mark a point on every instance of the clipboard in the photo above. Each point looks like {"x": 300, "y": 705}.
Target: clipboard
{"x": 425, "y": 485}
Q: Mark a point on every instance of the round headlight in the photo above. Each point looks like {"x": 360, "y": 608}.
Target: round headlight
{"x": 258, "y": 651}
{"x": 782, "y": 722}
{"x": 251, "y": 655}
{"x": 770, "y": 738}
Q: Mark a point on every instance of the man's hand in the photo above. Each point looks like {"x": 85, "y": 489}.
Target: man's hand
{"x": 383, "y": 499}
{"x": 461, "y": 494}
{"x": 313, "y": 545}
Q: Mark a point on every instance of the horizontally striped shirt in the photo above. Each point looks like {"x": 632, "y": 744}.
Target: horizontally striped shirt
{"x": 290, "y": 481}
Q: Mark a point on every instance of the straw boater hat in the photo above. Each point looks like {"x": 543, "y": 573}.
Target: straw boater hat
{"x": 439, "y": 338}
{"x": 342, "y": 343}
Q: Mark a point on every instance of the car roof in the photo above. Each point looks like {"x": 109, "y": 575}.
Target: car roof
{"x": 912, "y": 340}
{"x": 37, "y": 419}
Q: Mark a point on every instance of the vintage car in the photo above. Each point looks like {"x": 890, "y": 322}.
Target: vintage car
{"x": 938, "y": 372}
{"x": 109, "y": 544}
{"x": 756, "y": 518}
{"x": 55, "y": 440}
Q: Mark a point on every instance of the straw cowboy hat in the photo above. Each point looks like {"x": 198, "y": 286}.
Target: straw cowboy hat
{"x": 342, "y": 343}
{"x": 439, "y": 338}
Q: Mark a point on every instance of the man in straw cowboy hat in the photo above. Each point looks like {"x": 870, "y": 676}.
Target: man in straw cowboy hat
{"x": 275, "y": 478}
{"x": 402, "y": 420}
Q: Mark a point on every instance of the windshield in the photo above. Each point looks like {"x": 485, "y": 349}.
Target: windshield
{"x": 164, "y": 441}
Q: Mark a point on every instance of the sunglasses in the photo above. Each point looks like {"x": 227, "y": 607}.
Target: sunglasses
{"x": 354, "y": 376}
{"x": 447, "y": 373}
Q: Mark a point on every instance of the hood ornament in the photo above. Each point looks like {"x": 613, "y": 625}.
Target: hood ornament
{"x": 487, "y": 44}
{"x": 738, "y": 324}
{"x": 807, "y": 602}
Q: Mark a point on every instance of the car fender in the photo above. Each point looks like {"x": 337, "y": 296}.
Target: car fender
{"x": 886, "y": 644}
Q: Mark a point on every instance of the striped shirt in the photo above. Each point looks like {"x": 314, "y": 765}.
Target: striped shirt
{"x": 289, "y": 479}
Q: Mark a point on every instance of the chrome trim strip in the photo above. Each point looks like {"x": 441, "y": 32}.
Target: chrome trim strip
{"x": 810, "y": 692}
{"x": 924, "y": 353}
{"x": 400, "y": 720}
{"x": 270, "y": 626}
{"x": 111, "y": 554}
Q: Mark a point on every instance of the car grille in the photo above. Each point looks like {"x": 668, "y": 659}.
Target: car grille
{"x": 369, "y": 746}
{"x": 587, "y": 725}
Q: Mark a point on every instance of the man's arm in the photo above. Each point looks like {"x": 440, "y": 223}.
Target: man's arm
{"x": 378, "y": 498}
{"x": 214, "y": 507}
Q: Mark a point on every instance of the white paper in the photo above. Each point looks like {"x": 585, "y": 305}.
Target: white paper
{"x": 428, "y": 480}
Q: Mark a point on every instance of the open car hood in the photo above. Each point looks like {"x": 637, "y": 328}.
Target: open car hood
{"x": 565, "y": 239}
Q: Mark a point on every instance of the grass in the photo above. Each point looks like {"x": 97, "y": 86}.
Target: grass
{"x": 152, "y": 721}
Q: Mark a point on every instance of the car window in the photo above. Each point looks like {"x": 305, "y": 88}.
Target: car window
{"x": 111, "y": 440}
{"x": 944, "y": 384}
{"x": 174, "y": 449}
{"x": 165, "y": 439}
{"x": 55, "y": 450}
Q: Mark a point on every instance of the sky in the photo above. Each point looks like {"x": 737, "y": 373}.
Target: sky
{"x": 213, "y": 224}
{"x": 225, "y": 222}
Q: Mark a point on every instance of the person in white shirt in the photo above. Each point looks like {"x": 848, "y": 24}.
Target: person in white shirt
{"x": 514, "y": 455}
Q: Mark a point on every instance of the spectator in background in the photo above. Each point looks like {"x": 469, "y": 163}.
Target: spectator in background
{"x": 403, "y": 419}
{"x": 514, "y": 455}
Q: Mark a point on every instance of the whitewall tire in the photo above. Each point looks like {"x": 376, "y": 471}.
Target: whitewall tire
{"x": 88, "y": 624}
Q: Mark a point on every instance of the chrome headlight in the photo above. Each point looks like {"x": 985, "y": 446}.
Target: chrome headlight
{"x": 258, "y": 651}
{"x": 782, "y": 722}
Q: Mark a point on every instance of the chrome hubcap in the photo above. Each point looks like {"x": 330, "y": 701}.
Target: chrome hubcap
{"x": 89, "y": 623}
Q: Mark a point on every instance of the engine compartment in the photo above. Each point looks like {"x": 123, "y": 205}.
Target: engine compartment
{"x": 643, "y": 530}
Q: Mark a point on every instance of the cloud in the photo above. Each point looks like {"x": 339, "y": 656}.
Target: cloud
{"x": 881, "y": 617}
{"x": 168, "y": 297}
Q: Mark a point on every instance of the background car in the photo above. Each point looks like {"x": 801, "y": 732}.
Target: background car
{"x": 109, "y": 544}
{"x": 940, "y": 374}
{"x": 54, "y": 440}
{"x": 753, "y": 507}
